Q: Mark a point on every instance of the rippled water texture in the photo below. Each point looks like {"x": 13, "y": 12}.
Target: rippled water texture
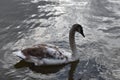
{"x": 27, "y": 22}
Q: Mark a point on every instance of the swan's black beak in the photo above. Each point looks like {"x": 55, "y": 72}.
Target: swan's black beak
{"x": 82, "y": 34}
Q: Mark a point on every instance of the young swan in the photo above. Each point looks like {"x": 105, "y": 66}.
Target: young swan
{"x": 44, "y": 54}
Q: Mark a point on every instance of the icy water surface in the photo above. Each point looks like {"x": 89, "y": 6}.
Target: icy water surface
{"x": 27, "y": 22}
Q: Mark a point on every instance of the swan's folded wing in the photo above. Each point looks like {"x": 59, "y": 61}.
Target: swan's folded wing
{"x": 54, "y": 53}
{"x": 46, "y": 51}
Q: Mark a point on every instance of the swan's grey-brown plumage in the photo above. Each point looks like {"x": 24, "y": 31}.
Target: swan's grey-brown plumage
{"x": 46, "y": 54}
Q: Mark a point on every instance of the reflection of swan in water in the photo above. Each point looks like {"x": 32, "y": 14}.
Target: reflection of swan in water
{"x": 86, "y": 70}
{"x": 44, "y": 54}
{"x": 47, "y": 69}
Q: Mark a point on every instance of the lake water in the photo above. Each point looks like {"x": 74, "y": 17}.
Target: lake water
{"x": 27, "y": 22}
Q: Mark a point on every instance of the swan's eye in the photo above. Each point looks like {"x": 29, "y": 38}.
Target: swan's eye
{"x": 79, "y": 30}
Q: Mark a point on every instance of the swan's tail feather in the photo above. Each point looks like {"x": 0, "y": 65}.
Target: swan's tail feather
{"x": 19, "y": 54}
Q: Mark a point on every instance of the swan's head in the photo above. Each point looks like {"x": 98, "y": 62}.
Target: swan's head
{"x": 78, "y": 28}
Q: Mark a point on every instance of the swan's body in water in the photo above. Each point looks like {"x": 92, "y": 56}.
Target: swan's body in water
{"x": 43, "y": 54}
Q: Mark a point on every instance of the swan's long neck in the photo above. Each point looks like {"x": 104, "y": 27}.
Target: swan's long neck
{"x": 72, "y": 42}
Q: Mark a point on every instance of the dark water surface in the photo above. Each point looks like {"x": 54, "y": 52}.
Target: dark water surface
{"x": 27, "y": 22}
